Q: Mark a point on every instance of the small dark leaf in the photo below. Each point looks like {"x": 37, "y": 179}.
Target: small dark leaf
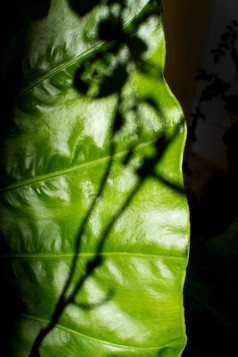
{"x": 232, "y": 104}
{"x": 152, "y": 103}
{"x": 146, "y": 169}
{"x": 128, "y": 157}
{"x": 225, "y": 36}
{"x": 230, "y": 136}
{"x": 207, "y": 94}
{"x": 113, "y": 83}
{"x": 198, "y": 114}
{"x": 224, "y": 45}
{"x": 109, "y": 27}
{"x": 203, "y": 75}
{"x": 136, "y": 47}
{"x": 81, "y": 85}
{"x": 83, "y": 7}
{"x": 116, "y": 2}
{"x": 219, "y": 86}
{"x": 93, "y": 264}
{"x": 118, "y": 122}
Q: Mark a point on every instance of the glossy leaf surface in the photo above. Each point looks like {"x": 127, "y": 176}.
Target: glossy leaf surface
{"x": 94, "y": 221}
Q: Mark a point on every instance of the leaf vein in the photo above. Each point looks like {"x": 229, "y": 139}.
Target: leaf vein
{"x": 69, "y": 170}
{"x": 64, "y": 328}
{"x": 72, "y": 61}
{"x": 87, "y": 255}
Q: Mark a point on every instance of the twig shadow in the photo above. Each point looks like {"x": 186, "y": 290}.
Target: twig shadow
{"x": 94, "y": 84}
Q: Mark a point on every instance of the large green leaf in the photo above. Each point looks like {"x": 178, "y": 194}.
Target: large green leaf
{"x": 94, "y": 220}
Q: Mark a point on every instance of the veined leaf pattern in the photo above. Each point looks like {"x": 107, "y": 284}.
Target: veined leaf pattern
{"x": 94, "y": 219}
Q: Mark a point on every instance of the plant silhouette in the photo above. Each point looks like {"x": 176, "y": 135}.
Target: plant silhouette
{"x": 216, "y": 86}
{"x": 215, "y": 209}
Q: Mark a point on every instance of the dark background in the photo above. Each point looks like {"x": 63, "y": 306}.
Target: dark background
{"x": 209, "y": 96}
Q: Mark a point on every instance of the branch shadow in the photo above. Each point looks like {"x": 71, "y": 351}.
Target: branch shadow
{"x": 102, "y": 74}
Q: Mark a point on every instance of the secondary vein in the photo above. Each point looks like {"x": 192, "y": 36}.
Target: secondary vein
{"x": 72, "y": 60}
{"x": 87, "y": 255}
{"x": 70, "y": 169}
{"x": 64, "y": 328}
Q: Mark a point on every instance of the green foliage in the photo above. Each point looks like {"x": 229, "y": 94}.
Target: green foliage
{"x": 94, "y": 220}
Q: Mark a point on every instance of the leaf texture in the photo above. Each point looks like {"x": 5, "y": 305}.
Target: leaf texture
{"x": 94, "y": 220}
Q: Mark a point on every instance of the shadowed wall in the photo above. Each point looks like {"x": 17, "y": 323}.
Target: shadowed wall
{"x": 185, "y": 24}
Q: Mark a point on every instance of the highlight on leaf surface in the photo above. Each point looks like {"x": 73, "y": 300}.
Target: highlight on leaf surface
{"x": 94, "y": 219}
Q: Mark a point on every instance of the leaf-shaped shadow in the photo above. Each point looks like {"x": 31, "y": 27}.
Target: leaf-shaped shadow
{"x": 83, "y": 7}
{"x": 137, "y": 140}
{"x": 109, "y": 26}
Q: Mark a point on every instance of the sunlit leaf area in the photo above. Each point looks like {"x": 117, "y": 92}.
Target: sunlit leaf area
{"x": 94, "y": 216}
